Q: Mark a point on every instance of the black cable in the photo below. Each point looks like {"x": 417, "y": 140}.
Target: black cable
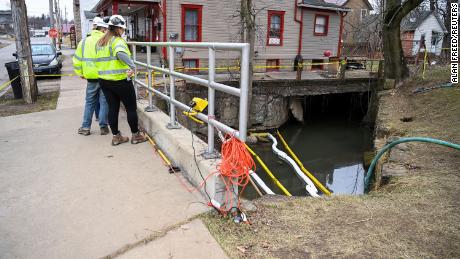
{"x": 194, "y": 156}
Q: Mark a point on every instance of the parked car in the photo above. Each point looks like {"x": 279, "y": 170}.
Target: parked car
{"x": 45, "y": 58}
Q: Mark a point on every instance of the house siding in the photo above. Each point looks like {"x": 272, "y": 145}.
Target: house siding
{"x": 223, "y": 29}
{"x": 407, "y": 39}
{"x": 290, "y": 35}
{"x": 353, "y": 19}
{"x": 427, "y": 27}
{"x": 220, "y": 23}
{"x": 313, "y": 46}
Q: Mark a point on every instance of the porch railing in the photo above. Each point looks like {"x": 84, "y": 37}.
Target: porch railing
{"x": 241, "y": 92}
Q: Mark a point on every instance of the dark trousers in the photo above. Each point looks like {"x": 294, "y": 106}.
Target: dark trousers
{"x": 116, "y": 91}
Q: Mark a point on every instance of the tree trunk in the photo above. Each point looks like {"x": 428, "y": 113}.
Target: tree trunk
{"x": 21, "y": 31}
{"x": 395, "y": 64}
{"x": 250, "y": 33}
{"x": 432, "y": 5}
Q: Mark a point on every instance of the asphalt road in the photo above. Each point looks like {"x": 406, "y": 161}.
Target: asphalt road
{"x": 44, "y": 84}
{"x": 5, "y": 57}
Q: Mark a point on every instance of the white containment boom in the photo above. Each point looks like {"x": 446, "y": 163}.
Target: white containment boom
{"x": 310, "y": 187}
{"x": 261, "y": 183}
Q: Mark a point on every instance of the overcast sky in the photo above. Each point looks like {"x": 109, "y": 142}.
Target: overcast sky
{"x": 39, "y": 7}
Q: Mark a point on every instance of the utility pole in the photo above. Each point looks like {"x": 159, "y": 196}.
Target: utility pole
{"x": 58, "y": 21}
{"x": 65, "y": 13}
{"x": 52, "y": 19}
{"x": 24, "y": 53}
{"x": 77, "y": 20}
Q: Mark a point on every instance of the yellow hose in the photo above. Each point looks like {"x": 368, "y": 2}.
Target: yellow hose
{"x": 162, "y": 155}
{"x": 304, "y": 170}
{"x": 285, "y": 191}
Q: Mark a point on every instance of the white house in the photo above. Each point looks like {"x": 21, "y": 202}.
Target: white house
{"x": 86, "y": 16}
{"x": 420, "y": 30}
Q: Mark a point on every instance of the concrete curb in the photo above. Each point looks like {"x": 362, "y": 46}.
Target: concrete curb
{"x": 177, "y": 145}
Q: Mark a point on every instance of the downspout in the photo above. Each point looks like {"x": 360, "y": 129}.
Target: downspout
{"x": 299, "y": 48}
{"x": 164, "y": 27}
{"x": 339, "y": 47}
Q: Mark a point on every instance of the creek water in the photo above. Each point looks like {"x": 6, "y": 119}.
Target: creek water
{"x": 330, "y": 147}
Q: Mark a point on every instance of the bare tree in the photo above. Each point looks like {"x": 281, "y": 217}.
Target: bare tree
{"x": 395, "y": 63}
{"x": 249, "y": 11}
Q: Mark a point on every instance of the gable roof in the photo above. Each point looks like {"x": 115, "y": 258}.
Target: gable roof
{"x": 345, "y": 2}
{"x": 412, "y": 21}
{"x": 321, "y": 4}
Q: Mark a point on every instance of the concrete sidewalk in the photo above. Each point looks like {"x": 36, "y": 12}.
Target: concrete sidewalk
{"x": 63, "y": 195}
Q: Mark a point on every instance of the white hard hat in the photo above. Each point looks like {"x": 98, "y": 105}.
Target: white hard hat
{"x": 98, "y": 21}
{"x": 117, "y": 20}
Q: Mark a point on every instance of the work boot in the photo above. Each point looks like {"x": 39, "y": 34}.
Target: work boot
{"x": 84, "y": 131}
{"x": 105, "y": 130}
{"x": 138, "y": 137}
{"x": 119, "y": 139}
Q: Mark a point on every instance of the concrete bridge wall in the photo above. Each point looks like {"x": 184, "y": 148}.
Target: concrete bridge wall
{"x": 273, "y": 101}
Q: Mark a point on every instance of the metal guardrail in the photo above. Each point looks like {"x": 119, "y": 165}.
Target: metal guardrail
{"x": 242, "y": 92}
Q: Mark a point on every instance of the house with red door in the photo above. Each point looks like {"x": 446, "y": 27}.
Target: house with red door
{"x": 285, "y": 30}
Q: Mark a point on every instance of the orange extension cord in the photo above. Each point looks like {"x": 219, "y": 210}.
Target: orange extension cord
{"x": 234, "y": 169}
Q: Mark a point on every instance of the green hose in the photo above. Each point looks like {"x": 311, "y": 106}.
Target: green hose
{"x": 370, "y": 171}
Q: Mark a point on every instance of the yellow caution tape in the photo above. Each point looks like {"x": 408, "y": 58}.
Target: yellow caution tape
{"x": 424, "y": 64}
{"x": 264, "y": 166}
{"x": 304, "y": 170}
{"x": 4, "y": 85}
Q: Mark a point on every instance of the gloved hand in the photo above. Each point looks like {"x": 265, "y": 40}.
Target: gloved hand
{"x": 130, "y": 73}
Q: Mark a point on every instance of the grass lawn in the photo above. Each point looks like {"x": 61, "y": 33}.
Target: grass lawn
{"x": 412, "y": 216}
{"x": 45, "y": 101}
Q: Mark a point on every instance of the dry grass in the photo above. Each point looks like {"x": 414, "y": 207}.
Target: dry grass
{"x": 45, "y": 101}
{"x": 410, "y": 217}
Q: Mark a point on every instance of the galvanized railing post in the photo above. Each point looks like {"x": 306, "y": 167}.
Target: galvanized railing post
{"x": 244, "y": 94}
{"x": 241, "y": 92}
{"x": 164, "y": 80}
{"x": 149, "y": 108}
{"x": 211, "y": 103}
{"x": 172, "y": 92}
{"x": 133, "y": 50}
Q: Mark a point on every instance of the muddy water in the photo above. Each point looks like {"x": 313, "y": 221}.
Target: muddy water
{"x": 332, "y": 150}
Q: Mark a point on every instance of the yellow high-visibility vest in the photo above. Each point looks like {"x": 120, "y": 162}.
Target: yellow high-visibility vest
{"x": 109, "y": 67}
{"x": 84, "y": 59}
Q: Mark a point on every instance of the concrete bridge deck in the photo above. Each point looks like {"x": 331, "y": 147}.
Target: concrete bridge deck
{"x": 63, "y": 195}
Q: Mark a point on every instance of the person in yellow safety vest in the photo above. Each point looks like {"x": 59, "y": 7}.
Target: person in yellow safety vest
{"x": 115, "y": 69}
{"x": 84, "y": 64}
